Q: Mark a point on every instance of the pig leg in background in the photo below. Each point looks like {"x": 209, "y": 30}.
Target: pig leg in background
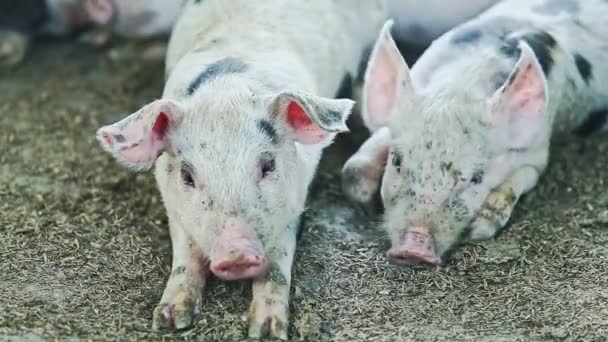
{"x": 268, "y": 314}
{"x": 499, "y": 204}
{"x": 13, "y": 47}
{"x": 182, "y": 299}
{"x": 362, "y": 173}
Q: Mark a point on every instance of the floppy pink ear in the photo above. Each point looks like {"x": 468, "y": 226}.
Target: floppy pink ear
{"x": 386, "y": 78}
{"x": 519, "y": 106}
{"x": 137, "y": 140}
{"x": 311, "y": 119}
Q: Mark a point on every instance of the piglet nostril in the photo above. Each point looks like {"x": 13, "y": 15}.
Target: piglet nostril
{"x": 416, "y": 248}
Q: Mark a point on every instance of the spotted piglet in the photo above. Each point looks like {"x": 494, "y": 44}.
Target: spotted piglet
{"x": 246, "y": 111}
{"x": 467, "y": 131}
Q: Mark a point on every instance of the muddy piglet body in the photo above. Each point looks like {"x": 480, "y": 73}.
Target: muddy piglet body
{"x": 236, "y": 138}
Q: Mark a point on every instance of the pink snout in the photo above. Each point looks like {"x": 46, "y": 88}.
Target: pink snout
{"x": 100, "y": 11}
{"x": 238, "y": 253}
{"x": 416, "y": 248}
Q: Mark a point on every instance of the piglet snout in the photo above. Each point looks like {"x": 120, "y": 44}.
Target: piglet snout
{"x": 238, "y": 253}
{"x": 101, "y": 12}
{"x": 416, "y": 248}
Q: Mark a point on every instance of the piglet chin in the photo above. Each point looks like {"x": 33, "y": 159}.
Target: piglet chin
{"x": 416, "y": 248}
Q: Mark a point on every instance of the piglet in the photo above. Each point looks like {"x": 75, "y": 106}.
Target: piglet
{"x": 464, "y": 134}
{"x": 236, "y": 138}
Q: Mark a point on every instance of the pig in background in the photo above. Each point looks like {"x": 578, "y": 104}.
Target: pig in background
{"x": 463, "y": 135}
{"x": 247, "y": 109}
{"x": 21, "y": 21}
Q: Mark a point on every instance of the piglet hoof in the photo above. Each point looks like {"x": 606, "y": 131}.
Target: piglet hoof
{"x": 179, "y": 314}
{"x": 268, "y": 318}
{"x": 483, "y": 229}
{"x": 13, "y": 46}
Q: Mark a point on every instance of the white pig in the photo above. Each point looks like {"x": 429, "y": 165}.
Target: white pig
{"x": 246, "y": 111}
{"x": 467, "y": 131}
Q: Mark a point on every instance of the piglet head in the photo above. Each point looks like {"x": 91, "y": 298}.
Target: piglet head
{"x": 234, "y": 165}
{"x": 449, "y": 149}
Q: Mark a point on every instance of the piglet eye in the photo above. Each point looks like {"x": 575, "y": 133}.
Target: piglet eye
{"x": 477, "y": 177}
{"x": 267, "y": 166}
{"x": 396, "y": 161}
{"x": 187, "y": 177}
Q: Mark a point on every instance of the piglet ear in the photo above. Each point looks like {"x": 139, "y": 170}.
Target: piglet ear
{"x": 137, "y": 140}
{"x": 311, "y": 119}
{"x": 386, "y": 79}
{"x": 519, "y": 106}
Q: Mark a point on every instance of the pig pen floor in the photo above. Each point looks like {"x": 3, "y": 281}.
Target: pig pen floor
{"x": 85, "y": 251}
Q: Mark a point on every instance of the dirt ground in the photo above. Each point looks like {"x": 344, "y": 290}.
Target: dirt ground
{"x": 85, "y": 250}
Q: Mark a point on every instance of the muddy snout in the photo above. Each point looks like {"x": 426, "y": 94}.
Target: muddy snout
{"x": 416, "y": 248}
{"x": 238, "y": 253}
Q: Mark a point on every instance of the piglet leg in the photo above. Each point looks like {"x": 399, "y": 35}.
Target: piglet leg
{"x": 269, "y": 310}
{"x": 499, "y": 204}
{"x": 362, "y": 173}
{"x": 182, "y": 299}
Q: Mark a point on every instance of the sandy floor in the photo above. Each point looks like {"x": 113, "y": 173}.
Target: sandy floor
{"x": 84, "y": 249}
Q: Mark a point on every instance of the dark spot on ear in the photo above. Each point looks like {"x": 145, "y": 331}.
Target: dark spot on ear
{"x": 345, "y": 91}
{"x": 227, "y": 65}
{"x": 119, "y": 138}
{"x": 584, "y": 67}
{"x": 541, "y": 42}
{"x": 268, "y": 129}
{"x": 466, "y": 36}
{"x": 595, "y": 121}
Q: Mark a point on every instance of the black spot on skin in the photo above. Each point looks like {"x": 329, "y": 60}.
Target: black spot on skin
{"x": 170, "y": 168}
{"x": 276, "y": 276}
{"x": 345, "y": 91}
{"x": 119, "y": 138}
{"x": 595, "y": 121}
{"x": 396, "y": 161}
{"x": 477, "y": 177}
{"x": 541, "y": 42}
{"x": 555, "y": 7}
{"x": 428, "y": 145}
{"x": 459, "y": 209}
{"x": 445, "y": 167}
{"x": 268, "y": 129}
{"x": 584, "y": 67}
{"x": 467, "y": 36}
{"x": 228, "y": 65}
{"x": 178, "y": 270}
{"x": 198, "y": 1}
{"x": 208, "y": 204}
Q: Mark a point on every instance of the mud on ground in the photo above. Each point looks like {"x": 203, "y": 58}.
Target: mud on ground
{"x": 85, "y": 250}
